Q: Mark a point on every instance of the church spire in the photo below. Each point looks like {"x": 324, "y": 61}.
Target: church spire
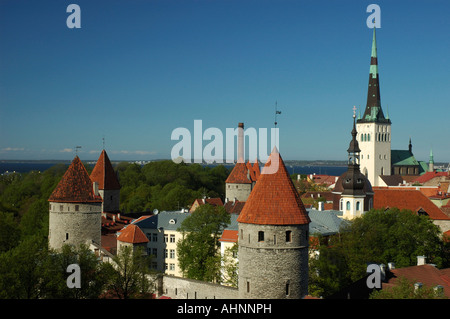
{"x": 373, "y": 111}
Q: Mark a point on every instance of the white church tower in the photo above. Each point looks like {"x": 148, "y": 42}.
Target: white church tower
{"x": 374, "y": 129}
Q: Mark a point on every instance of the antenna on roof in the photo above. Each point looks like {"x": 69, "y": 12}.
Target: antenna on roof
{"x": 76, "y": 150}
{"x": 276, "y": 113}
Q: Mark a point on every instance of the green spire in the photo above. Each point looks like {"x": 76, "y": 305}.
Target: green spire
{"x": 431, "y": 156}
{"x": 374, "y": 66}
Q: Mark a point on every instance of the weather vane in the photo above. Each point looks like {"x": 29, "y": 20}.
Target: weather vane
{"x": 76, "y": 150}
{"x": 354, "y": 111}
{"x": 276, "y": 113}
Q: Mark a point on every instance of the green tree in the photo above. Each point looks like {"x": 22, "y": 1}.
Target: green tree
{"x": 22, "y": 267}
{"x": 380, "y": 237}
{"x": 198, "y": 250}
{"x": 127, "y": 274}
{"x": 9, "y": 232}
{"x": 404, "y": 289}
{"x": 54, "y": 274}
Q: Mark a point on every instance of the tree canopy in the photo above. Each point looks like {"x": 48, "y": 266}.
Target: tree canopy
{"x": 198, "y": 251}
{"x": 380, "y": 237}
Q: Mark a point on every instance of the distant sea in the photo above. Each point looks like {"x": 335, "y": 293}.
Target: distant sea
{"x": 23, "y": 167}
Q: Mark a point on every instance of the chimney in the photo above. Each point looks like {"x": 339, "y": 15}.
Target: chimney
{"x": 320, "y": 206}
{"x": 383, "y": 272}
{"x": 421, "y": 260}
{"x": 417, "y": 286}
{"x": 95, "y": 188}
{"x": 240, "y": 158}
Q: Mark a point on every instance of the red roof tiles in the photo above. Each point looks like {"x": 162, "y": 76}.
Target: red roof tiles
{"x": 428, "y": 275}
{"x": 132, "y": 234}
{"x": 229, "y": 235}
{"x": 75, "y": 186}
{"x": 244, "y": 173}
{"x": 103, "y": 173}
{"x": 407, "y": 199}
{"x": 274, "y": 199}
{"x": 429, "y": 175}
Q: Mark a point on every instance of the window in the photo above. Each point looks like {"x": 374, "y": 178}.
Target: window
{"x": 61, "y": 207}
{"x": 77, "y": 208}
{"x": 155, "y": 237}
{"x": 67, "y": 236}
{"x": 341, "y": 204}
{"x": 288, "y": 236}
{"x": 242, "y": 234}
{"x": 155, "y": 252}
{"x": 260, "y": 236}
{"x": 172, "y": 253}
{"x": 248, "y": 286}
{"x": 274, "y": 239}
{"x": 166, "y": 238}
{"x": 172, "y": 267}
{"x": 172, "y": 238}
{"x": 358, "y": 205}
{"x": 287, "y": 289}
{"x": 347, "y": 205}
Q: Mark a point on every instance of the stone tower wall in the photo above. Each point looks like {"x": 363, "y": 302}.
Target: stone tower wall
{"x": 239, "y": 191}
{"x": 111, "y": 200}
{"x": 273, "y": 268}
{"x": 74, "y": 224}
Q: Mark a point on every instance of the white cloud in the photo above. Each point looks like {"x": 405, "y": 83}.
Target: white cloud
{"x": 66, "y": 150}
{"x": 13, "y": 149}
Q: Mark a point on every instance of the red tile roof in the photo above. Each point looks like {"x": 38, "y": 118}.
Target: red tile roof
{"x": 429, "y": 175}
{"x": 407, "y": 199}
{"x": 200, "y": 201}
{"x": 229, "y": 236}
{"x": 103, "y": 173}
{"x": 244, "y": 173}
{"x": 75, "y": 186}
{"x": 132, "y": 234}
{"x": 274, "y": 199}
{"x": 234, "y": 207}
{"x": 428, "y": 275}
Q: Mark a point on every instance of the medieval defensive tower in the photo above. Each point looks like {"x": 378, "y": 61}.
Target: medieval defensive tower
{"x": 273, "y": 237}
{"x": 75, "y": 209}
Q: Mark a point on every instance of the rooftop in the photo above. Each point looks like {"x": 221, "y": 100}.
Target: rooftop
{"x": 75, "y": 186}
{"x": 274, "y": 199}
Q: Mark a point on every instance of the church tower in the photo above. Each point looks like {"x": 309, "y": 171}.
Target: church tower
{"x": 353, "y": 182}
{"x": 108, "y": 184}
{"x": 273, "y": 235}
{"x": 75, "y": 209}
{"x": 374, "y": 128}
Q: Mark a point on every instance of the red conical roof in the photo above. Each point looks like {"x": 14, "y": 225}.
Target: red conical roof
{"x": 75, "y": 186}
{"x": 274, "y": 199}
{"x": 132, "y": 234}
{"x": 103, "y": 173}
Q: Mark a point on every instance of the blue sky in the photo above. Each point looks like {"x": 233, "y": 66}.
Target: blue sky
{"x": 137, "y": 70}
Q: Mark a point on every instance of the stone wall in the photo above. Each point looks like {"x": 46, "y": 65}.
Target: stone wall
{"x": 239, "y": 191}
{"x": 74, "y": 224}
{"x": 274, "y": 264}
{"x": 184, "y": 288}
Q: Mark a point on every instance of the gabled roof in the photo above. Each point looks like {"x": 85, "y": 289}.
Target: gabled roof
{"x": 403, "y": 158}
{"x": 413, "y": 200}
{"x": 274, "y": 199}
{"x": 132, "y": 234}
{"x": 75, "y": 186}
{"x": 103, "y": 173}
